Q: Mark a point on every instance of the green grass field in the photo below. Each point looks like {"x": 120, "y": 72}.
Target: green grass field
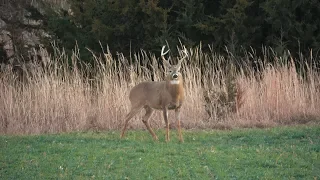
{"x": 277, "y": 153}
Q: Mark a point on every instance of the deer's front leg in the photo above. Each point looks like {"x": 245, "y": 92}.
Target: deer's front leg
{"x": 177, "y": 111}
{"x": 165, "y": 117}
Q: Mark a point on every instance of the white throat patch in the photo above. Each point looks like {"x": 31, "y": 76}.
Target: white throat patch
{"x": 174, "y": 82}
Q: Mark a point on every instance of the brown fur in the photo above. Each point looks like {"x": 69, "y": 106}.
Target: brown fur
{"x": 176, "y": 92}
{"x": 158, "y": 95}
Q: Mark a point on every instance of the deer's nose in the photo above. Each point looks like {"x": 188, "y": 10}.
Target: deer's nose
{"x": 175, "y": 76}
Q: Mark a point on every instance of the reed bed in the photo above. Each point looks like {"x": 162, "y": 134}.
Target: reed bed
{"x": 60, "y": 94}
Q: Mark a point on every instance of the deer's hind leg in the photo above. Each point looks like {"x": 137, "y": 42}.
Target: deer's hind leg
{"x": 145, "y": 120}
{"x": 133, "y": 112}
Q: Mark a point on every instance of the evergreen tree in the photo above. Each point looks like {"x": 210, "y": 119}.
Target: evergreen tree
{"x": 131, "y": 25}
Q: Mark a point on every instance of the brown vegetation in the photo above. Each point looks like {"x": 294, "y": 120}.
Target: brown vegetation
{"x": 53, "y": 97}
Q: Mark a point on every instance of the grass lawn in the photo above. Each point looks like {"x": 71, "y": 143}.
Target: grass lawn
{"x": 276, "y": 153}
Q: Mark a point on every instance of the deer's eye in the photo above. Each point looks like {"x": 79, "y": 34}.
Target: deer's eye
{"x": 170, "y": 71}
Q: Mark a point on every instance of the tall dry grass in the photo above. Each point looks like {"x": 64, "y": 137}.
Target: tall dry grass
{"x": 53, "y": 96}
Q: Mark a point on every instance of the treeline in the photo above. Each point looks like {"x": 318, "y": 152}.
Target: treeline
{"x": 130, "y": 25}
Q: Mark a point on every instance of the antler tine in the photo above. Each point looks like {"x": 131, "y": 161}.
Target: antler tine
{"x": 164, "y": 53}
{"x": 185, "y": 53}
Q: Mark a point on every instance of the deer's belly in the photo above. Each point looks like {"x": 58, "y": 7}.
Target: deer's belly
{"x": 174, "y": 105}
{"x": 170, "y": 106}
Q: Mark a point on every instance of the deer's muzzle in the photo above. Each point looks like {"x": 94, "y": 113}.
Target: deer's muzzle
{"x": 175, "y": 76}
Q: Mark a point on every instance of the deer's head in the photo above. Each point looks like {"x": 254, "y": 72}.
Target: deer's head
{"x": 172, "y": 71}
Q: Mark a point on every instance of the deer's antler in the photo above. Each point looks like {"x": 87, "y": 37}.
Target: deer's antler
{"x": 162, "y": 56}
{"x": 185, "y": 54}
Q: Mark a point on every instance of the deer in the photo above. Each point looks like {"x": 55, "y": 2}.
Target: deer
{"x": 159, "y": 95}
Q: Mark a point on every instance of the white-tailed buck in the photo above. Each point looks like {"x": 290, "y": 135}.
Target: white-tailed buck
{"x": 164, "y": 95}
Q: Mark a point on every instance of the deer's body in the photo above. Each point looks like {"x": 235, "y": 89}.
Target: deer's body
{"x": 158, "y": 95}
{"x": 164, "y": 95}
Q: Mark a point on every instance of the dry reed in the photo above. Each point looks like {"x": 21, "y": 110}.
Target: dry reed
{"x": 53, "y": 96}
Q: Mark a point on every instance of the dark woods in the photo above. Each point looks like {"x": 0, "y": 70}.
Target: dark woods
{"x": 224, "y": 26}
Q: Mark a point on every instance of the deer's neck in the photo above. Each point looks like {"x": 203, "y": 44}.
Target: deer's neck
{"x": 176, "y": 90}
